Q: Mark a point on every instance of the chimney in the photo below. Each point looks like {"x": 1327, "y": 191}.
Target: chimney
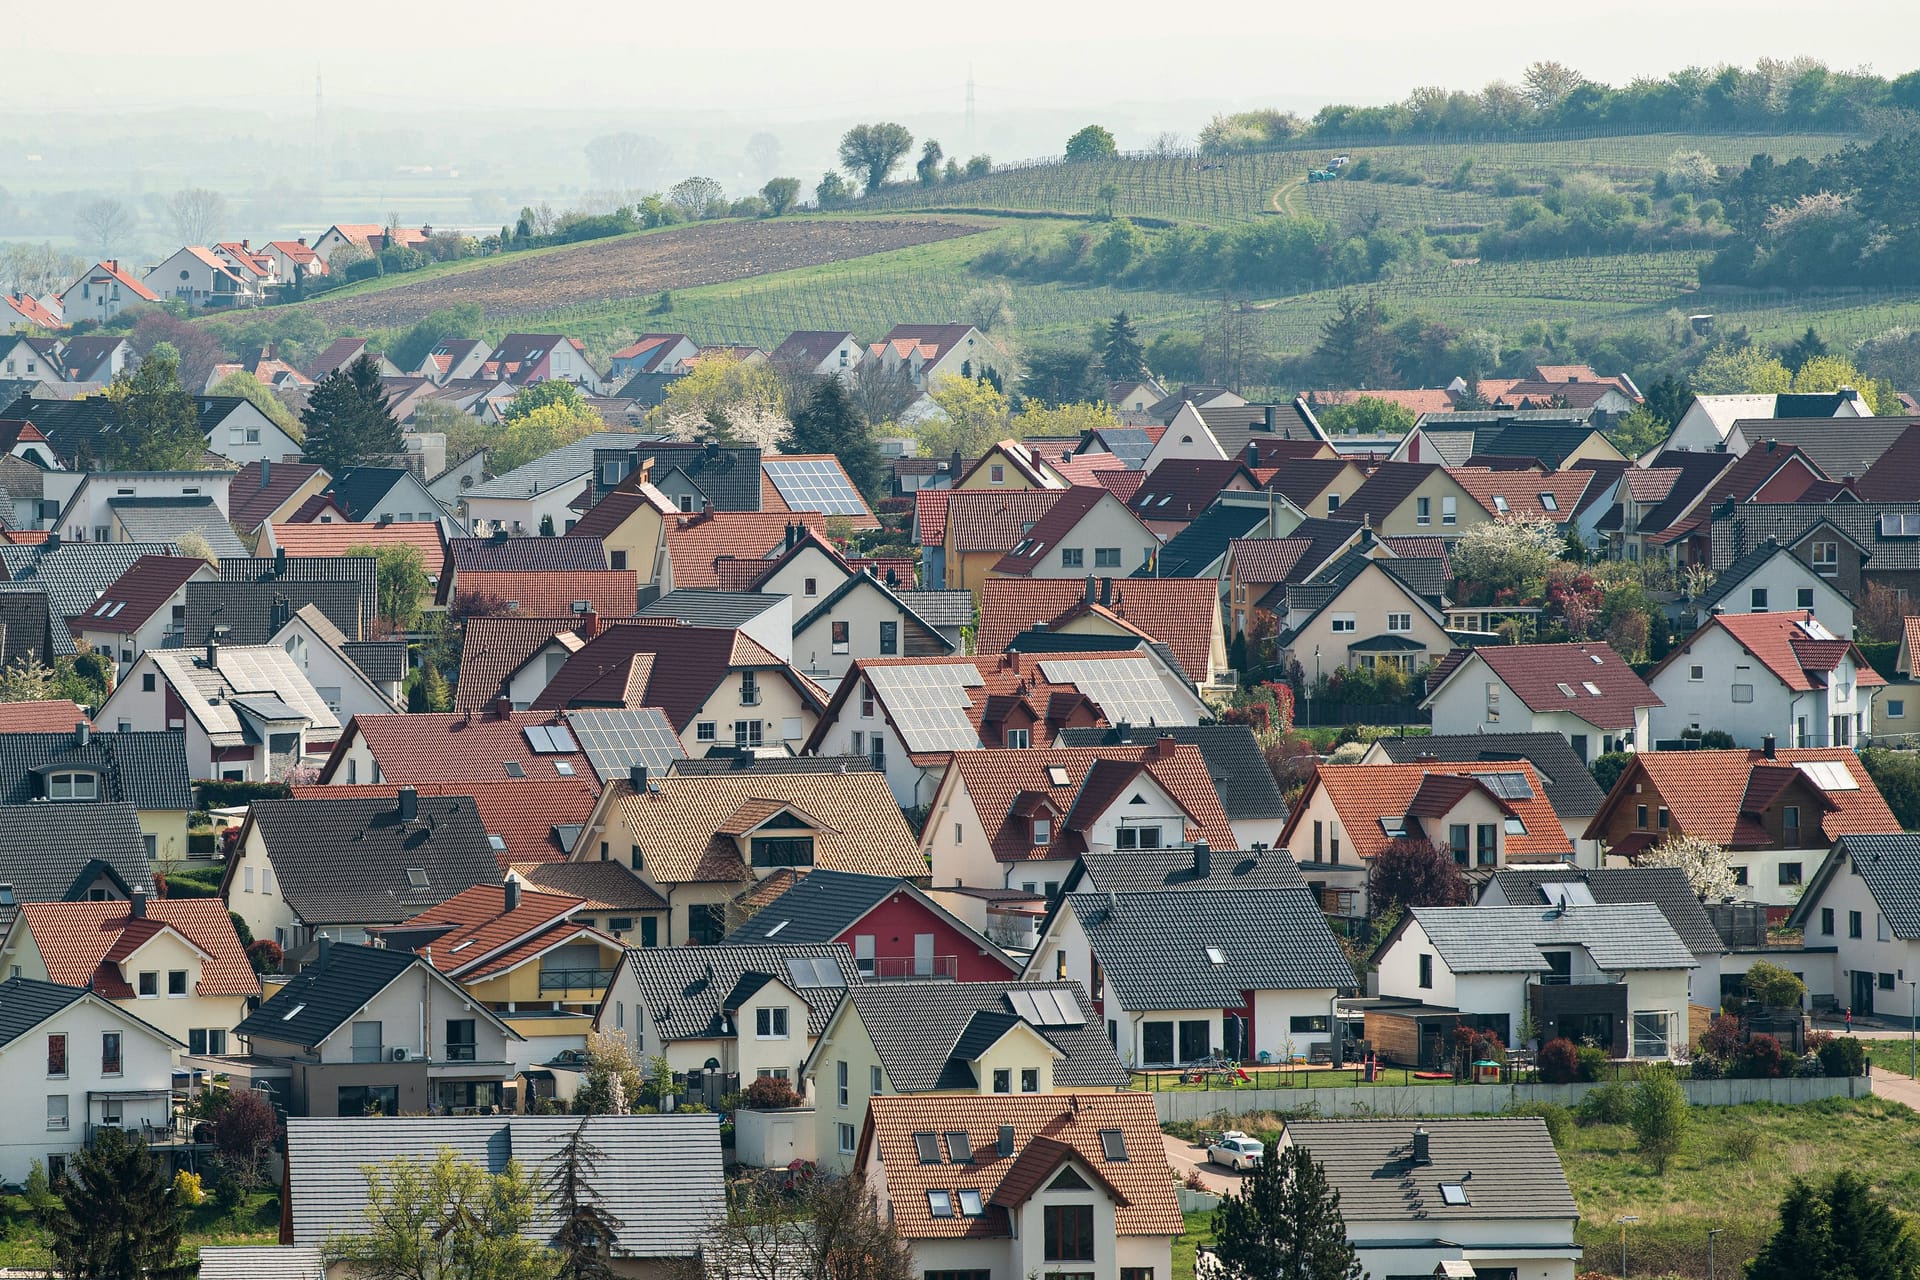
{"x": 1772, "y": 445}
{"x": 1421, "y": 1153}
{"x": 499, "y": 537}
{"x": 326, "y": 950}
{"x": 637, "y": 776}
{"x": 53, "y": 541}
{"x": 301, "y": 241}
{"x": 1106, "y": 591}
{"x": 137, "y": 904}
{"x": 1253, "y": 453}
{"x": 1202, "y": 860}
{"x": 279, "y": 561}
{"x": 1089, "y": 588}
{"x": 1163, "y": 747}
{"x": 502, "y": 708}
{"x": 266, "y": 472}
{"x": 82, "y": 734}
{"x": 1770, "y": 746}
{"x": 213, "y": 653}
{"x": 589, "y": 624}
{"x": 281, "y": 612}
{"x": 1273, "y": 417}
{"x": 409, "y": 804}
{"x": 513, "y": 892}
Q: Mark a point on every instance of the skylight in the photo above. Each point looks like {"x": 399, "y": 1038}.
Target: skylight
{"x": 927, "y": 1147}
{"x": 1499, "y": 503}
{"x": 564, "y": 768}
{"x": 515, "y": 769}
{"x": 1113, "y": 1144}
{"x": 1515, "y": 827}
{"x": 1216, "y": 955}
{"x": 417, "y": 877}
{"x": 959, "y": 1146}
{"x": 1453, "y": 1193}
{"x": 777, "y": 928}
{"x": 1396, "y": 828}
{"x": 1591, "y": 688}
{"x": 940, "y": 1204}
{"x": 458, "y": 947}
{"x": 1056, "y": 775}
{"x": 292, "y": 1013}
{"x": 1550, "y": 502}
{"x": 971, "y": 1205}
{"x": 496, "y": 843}
{"x": 1567, "y": 689}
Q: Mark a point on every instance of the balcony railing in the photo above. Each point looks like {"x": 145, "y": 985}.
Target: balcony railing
{"x": 903, "y": 968}
{"x": 575, "y": 979}
{"x": 1577, "y": 979}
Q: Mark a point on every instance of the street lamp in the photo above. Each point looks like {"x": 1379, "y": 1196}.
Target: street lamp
{"x": 1913, "y": 1046}
{"x": 1623, "y": 1221}
{"x": 1711, "y": 1233}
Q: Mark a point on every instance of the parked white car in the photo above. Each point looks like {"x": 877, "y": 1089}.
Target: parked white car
{"x": 1235, "y": 1150}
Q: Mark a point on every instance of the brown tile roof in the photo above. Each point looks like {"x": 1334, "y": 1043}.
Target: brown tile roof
{"x": 249, "y": 503}
{"x": 1031, "y": 550}
{"x": 55, "y": 715}
{"x": 1895, "y": 475}
{"x": 1423, "y": 400}
{"x": 1181, "y": 488}
{"x": 612, "y": 593}
{"x": 662, "y": 663}
{"x": 83, "y": 943}
{"x": 1521, "y": 490}
{"x": 930, "y": 516}
{"x": 1362, "y": 794}
{"x": 1784, "y": 646}
{"x": 1266, "y": 559}
{"x": 698, "y": 543}
{"x": 604, "y": 885}
{"x": 992, "y": 520}
{"x": 1536, "y": 672}
{"x": 455, "y": 746}
{"x": 485, "y": 939}
{"x": 425, "y": 536}
{"x": 1383, "y": 492}
{"x": 995, "y": 780}
{"x": 1540, "y": 395}
{"x": 1910, "y": 645}
{"x": 522, "y": 812}
{"x": 1711, "y": 794}
{"x": 1650, "y": 484}
{"x": 1179, "y": 612}
{"x": 496, "y": 644}
{"x": 1047, "y": 1128}
{"x": 147, "y": 585}
{"x": 862, "y": 829}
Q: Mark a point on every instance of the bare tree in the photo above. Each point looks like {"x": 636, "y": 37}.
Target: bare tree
{"x": 107, "y": 222}
{"x": 695, "y": 196}
{"x": 881, "y": 394}
{"x": 196, "y": 214}
{"x": 1547, "y": 84}
{"x": 36, "y": 268}
{"x": 763, "y": 154}
{"x": 789, "y": 1226}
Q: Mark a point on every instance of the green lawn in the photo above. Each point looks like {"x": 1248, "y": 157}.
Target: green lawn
{"x": 257, "y": 1222}
{"x": 1199, "y": 1232}
{"x": 1895, "y": 1056}
{"x": 1276, "y": 1078}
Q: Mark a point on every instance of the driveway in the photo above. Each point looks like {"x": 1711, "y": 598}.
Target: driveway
{"x": 1187, "y": 1158}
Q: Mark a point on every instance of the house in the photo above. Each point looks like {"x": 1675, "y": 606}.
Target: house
{"x": 1681, "y": 528}
{"x": 238, "y": 431}
{"x": 1010, "y": 464}
{"x": 1569, "y": 786}
{"x": 1485, "y": 815}
{"x": 1851, "y": 544}
{"x": 1771, "y": 671}
{"x": 500, "y": 556}
{"x": 354, "y": 678}
{"x": 1708, "y": 424}
{"x": 378, "y": 495}
{"x": 1084, "y": 519}
{"x": 244, "y": 610}
{"x": 1176, "y": 491}
{"x": 660, "y": 1177}
{"x": 1200, "y": 549}
{"x": 100, "y": 1066}
{"x": 268, "y": 492}
{"x": 1181, "y": 613}
{"x": 740, "y": 1011}
{"x": 528, "y": 822}
{"x": 101, "y": 293}
{"x": 70, "y": 853}
{"x": 173, "y": 963}
{"x": 1225, "y": 425}
{"x": 863, "y": 912}
{"x": 1585, "y": 692}
{"x": 20, "y": 311}
{"x": 1180, "y": 975}
{"x": 342, "y": 352}
{"x": 521, "y": 953}
{"x": 304, "y": 867}
{"x": 1024, "y": 1186}
{"x": 455, "y": 359}
{"x": 1413, "y": 1205}
{"x": 815, "y": 482}
{"x": 1898, "y": 713}
{"x": 1775, "y": 811}
{"x": 66, "y": 580}
{"x": 926, "y": 353}
{"x": 80, "y": 767}
{"x": 1402, "y": 498}
{"x": 612, "y": 898}
{"x": 630, "y": 524}
{"x": 1368, "y": 610}
{"x": 541, "y": 490}
{"x": 1851, "y": 449}
{"x": 497, "y": 644}
{"x": 526, "y": 358}
{"x": 368, "y": 1031}
{"x": 1018, "y": 818}
{"x": 144, "y": 609}
{"x": 1864, "y": 878}
{"x": 249, "y": 712}
{"x": 700, "y": 840}
{"x": 26, "y": 357}
{"x": 1891, "y": 477}
{"x": 98, "y": 357}
{"x": 976, "y": 528}
{"x": 1612, "y": 975}
{"x": 102, "y": 506}
{"x": 653, "y": 353}
{"x": 457, "y": 746}
{"x": 1254, "y": 807}
{"x": 201, "y": 279}
{"x": 951, "y": 1039}
{"x": 820, "y": 353}
{"x": 369, "y": 237}
{"x": 1772, "y": 576}
{"x": 727, "y": 550}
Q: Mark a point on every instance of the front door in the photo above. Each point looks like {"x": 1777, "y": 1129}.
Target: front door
{"x": 923, "y": 955}
{"x": 1862, "y": 1003}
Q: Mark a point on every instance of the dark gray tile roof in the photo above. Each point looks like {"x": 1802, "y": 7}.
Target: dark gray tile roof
{"x": 1234, "y": 425}
{"x": 1840, "y": 447}
{"x": 1148, "y": 870}
{"x": 564, "y": 465}
{"x": 660, "y": 1176}
{"x": 23, "y": 624}
{"x": 317, "y": 1000}
{"x": 359, "y": 490}
{"x": 72, "y": 427}
{"x": 170, "y": 519}
{"x": 147, "y": 770}
{"x": 1516, "y": 1172}
{"x": 1890, "y": 866}
{"x": 1752, "y": 523}
{"x": 947, "y": 610}
{"x": 1570, "y": 789}
{"x": 684, "y": 988}
{"x": 290, "y": 569}
{"x": 729, "y": 475}
{"x": 346, "y": 861}
{"x": 1619, "y": 936}
{"x": 73, "y": 575}
{"x": 1550, "y": 442}
{"x": 1664, "y": 887}
{"x": 711, "y": 608}
{"x": 246, "y": 609}
{"x": 25, "y": 1004}
{"x": 1153, "y": 946}
{"x": 382, "y": 661}
{"x": 525, "y": 555}
{"x": 1736, "y": 573}
{"x": 1203, "y": 541}
{"x": 817, "y": 908}
{"x": 916, "y": 1026}
{"x": 1234, "y": 762}
{"x": 720, "y": 762}
{"x": 53, "y": 852}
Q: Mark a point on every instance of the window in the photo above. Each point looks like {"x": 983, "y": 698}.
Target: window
{"x": 926, "y": 1146}
{"x": 207, "y": 1040}
{"x": 972, "y": 1204}
{"x": 750, "y": 688}
{"x": 1156, "y": 1042}
{"x": 1650, "y": 1035}
{"x": 1073, "y": 557}
{"x": 1399, "y": 622}
{"x": 1518, "y": 826}
{"x": 57, "y": 1055}
{"x": 616, "y": 559}
{"x": 1665, "y": 817}
{"x": 1640, "y": 816}
{"x": 811, "y": 587}
{"x": 1019, "y": 738}
{"x": 959, "y": 1146}
{"x": 1790, "y": 820}
{"x": 876, "y": 1081}
{"x": 1454, "y": 1193}
{"x": 1002, "y": 1080}
{"x": 1136, "y": 838}
{"x": 1493, "y": 702}
{"x": 1069, "y": 1232}
{"x": 1826, "y": 921}
{"x": 1696, "y": 672}
{"x": 996, "y": 474}
{"x": 367, "y": 1100}
{"x": 748, "y": 733}
{"x": 1136, "y": 1273}
{"x": 1029, "y": 1080}
{"x": 462, "y": 1044}
{"x": 1826, "y": 558}
{"x": 1308, "y": 1024}
{"x": 704, "y": 731}
{"x": 1113, "y": 1144}
{"x": 1739, "y": 875}
{"x": 1106, "y": 557}
{"x": 843, "y": 1138}
{"x": 1426, "y": 973}
{"x": 1896, "y": 708}
{"x": 149, "y": 985}
{"x": 1742, "y": 693}
{"x": 1854, "y": 919}
{"x": 57, "y": 1111}
{"x": 1457, "y": 842}
{"x": 770, "y": 1024}
{"x": 367, "y": 1042}
{"x": 1804, "y": 598}
{"x": 1343, "y": 624}
{"x": 843, "y": 1092}
{"x": 1448, "y": 513}
{"x": 176, "y": 982}
{"x": 73, "y": 786}
{"x": 940, "y": 1204}
{"x": 1042, "y": 831}
{"x": 1485, "y": 844}
{"x": 842, "y": 643}
{"x": 1886, "y": 982}
{"x": 1880, "y": 930}
{"x": 1759, "y": 598}
{"x": 649, "y": 931}
{"x": 111, "y": 1062}
{"x": 1423, "y": 510}
{"x": 1789, "y": 873}
{"x": 889, "y": 637}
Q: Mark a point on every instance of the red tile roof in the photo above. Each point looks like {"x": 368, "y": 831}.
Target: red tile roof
{"x": 146, "y": 587}
{"x": 495, "y": 646}
{"x": 1784, "y": 645}
{"x": 698, "y": 543}
{"x": 456, "y": 746}
{"x": 1646, "y": 485}
{"x": 1179, "y": 612}
{"x": 425, "y": 536}
{"x": 1895, "y": 475}
{"x": 1715, "y": 795}
{"x": 1541, "y": 674}
{"x": 993, "y": 519}
{"x": 83, "y": 943}
{"x": 55, "y": 715}
{"x": 1423, "y": 400}
{"x": 662, "y": 663}
{"x": 930, "y": 516}
{"x": 522, "y": 812}
{"x": 484, "y": 936}
{"x": 1363, "y": 794}
{"x": 1522, "y": 489}
{"x": 611, "y": 593}
{"x": 1073, "y": 506}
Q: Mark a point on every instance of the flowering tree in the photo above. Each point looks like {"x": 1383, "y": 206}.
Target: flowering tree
{"x": 1708, "y": 870}
{"x": 1507, "y": 553}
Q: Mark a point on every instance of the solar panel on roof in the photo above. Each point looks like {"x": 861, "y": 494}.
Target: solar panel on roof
{"x": 616, "y": 740}
{"x": 1508, "y": 786}
{"x": 929, "y": 704}
{"x": 808, "y": 484}
{"x": 814, "y": 971}
{"x": 1125, "y": 689}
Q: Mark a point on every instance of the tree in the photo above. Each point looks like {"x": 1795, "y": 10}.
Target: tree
{"x": 347, "y": 419}
{"x": 1120, "y": 355}
{"x": 1285, "y": 1224}
{"x": 1548, "y": 84}
{"x": 695, "y": 197}
{"x": 587, "y": 1230}
{"x": 1178, "y": 354}
{"x": 1415, "y": 873}
{"x": 1839, "y": 1230}
{"x": 1658, "y": 1114}
{"x": 400, "y": 572}
{"x": 818, "y": 1227}
{"x": 1061, "y": 375}
{"x": 1775, "y": 988}
{"x": 195, "y": 215}
{"x": 1506, "y": 553}
{"x": 1607, "y": 768}
{"x": 1709, "y": 872}
{"x": 1091, "y": 143}
{"x": 972, "y": 418}
{"x": 1741, "y": 371}
{"x": 1356, "y": 347}
{"x": 1896, "y": 774}
{"x": 612, "y": 1082}
{"x": 1037, "y": 419}
{"x": 538, "y": 432}
{"x": 830, "y": 424}
{"x": 117, "y": 1216}
{"x": 928, "y": 167}
{"x": 552, "y": 391}
{"x": 155, "y": 425}
{"x": 831, "y": 191}
{"x": 727, "y": 397}
{"x": 411, "y": 348}
{"x": 1802, "y": 349}
{"x": 780, "y": 193}
{"x": 244, "y": 1131}
{"x": 255, "y": 392}
{"x": 1639, "y": 432}
{"x": 870, "y": 151}
{"x": 1366, "y": 415}
{"x": 107, "y": 222}
{"x": 1121, "y": 246}
{"x": 445, "y": 1220}
{"x": 880, "y": 393}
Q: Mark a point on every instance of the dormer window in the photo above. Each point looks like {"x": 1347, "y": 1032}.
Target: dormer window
{"x": 1018, "y": 738}
{"x": 1042, "y": 831}
{"x": 73, "y": 786}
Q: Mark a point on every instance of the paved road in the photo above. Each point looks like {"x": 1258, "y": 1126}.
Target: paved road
{"x": 1187, "y": 1158}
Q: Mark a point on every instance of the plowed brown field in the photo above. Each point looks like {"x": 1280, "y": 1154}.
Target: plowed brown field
{"x": 612, "y": 270}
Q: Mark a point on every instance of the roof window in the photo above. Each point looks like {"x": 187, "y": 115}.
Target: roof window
{"x": 959, "y": 1146}
{"x": 293, "y": 1013}
{"x": 1591, "y": 687}
{"x": 940, "y": 1204}
{"x": 1216, "y": 956}
{"x": 927, "y": 1147}
{"x": 1454, "y": 1193}
{"x": 417, "y": 877}
{"x": 496, "y": 843}
{"x": 1005, "y": 1144}
{"x": 1113, "y": 1144}
{"x": 971, "y": 1203}
{"x": 515, "y": 769}
{"x": 1056, "y": 775}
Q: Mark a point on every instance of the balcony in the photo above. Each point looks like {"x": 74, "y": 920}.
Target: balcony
{"x": 575, "y": 979}
{"x": 909, "y": 968}
{"x": 1578, "y": 979}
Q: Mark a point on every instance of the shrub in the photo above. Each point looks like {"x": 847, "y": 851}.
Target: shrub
{"x": 1559, "y": 1062}
{"x": 1774, "y": 987}
{"x": 1658, "y": 1114}
{"x": 186, "y": 1189}
{"x": 1722, "y": 1039}
{"x": 769, "y": 1093}
{"x": 1593, "y": 1062}
{"x": 1609, "y": 1103}
{"x": 1842, "y": 1056}
{"x": 1707, "y": 1067}
{"x": 1559, "y": 1119}
{"x": 1741, "y": 1144}
{"x": 266, "y": 956}
{"x": 1762, "y": 1059}
{"x": 1808, "y": 1067}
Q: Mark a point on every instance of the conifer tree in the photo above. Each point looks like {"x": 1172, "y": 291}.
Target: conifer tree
{"x": 116, "y": 1215}
{"x": 1121, "y": 355}
{"x": 1285, "y": 1224}
{"x": 348, "y": 421}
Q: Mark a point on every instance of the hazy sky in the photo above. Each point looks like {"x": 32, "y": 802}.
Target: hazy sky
{"x": 782, "y": 62}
